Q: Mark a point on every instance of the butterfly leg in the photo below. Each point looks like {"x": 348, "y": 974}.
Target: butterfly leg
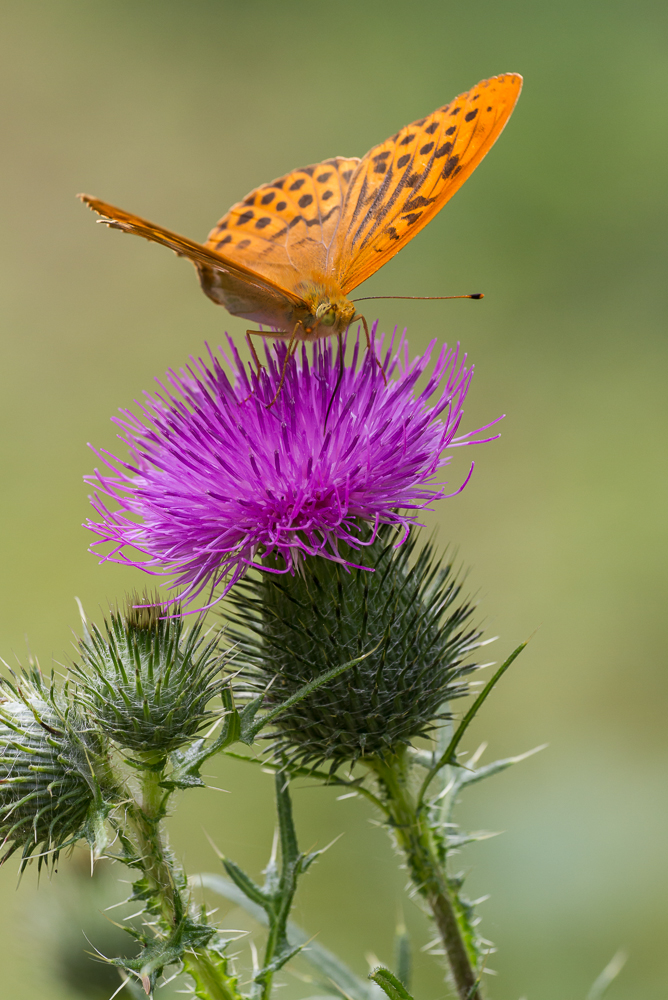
{"x": 292, "y": 347}
{"x": 258, "y": 364}
{"x": 254, "y": 333}
{"x": 368, "y": 347}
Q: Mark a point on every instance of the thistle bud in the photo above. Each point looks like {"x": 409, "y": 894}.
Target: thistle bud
{"x": 145, "y": 679}
{"x": 49, "y": 796}
{"x": 403, "y": 610}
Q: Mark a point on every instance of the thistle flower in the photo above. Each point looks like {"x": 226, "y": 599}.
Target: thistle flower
{"x": 408, "y": 615}
{"x": 147, "y": 681}
{"x": 220, "y": 478}
{"x": 49, "y": 795}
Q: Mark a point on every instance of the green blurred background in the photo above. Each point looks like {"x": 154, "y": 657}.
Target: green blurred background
{"x": 175, "y": 109}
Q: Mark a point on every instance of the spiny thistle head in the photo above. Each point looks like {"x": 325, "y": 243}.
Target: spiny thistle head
{"x": 146, "y": 679}
{"x": 408, "y": 615}
{"x": 48, "y": 791}
{"x": 223, "y": 471}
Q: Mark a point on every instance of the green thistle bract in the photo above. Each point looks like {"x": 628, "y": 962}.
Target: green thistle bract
{"x": 411, "y": 616}
{"x": 48, "y": 791}
{"x": 147, "y": 680}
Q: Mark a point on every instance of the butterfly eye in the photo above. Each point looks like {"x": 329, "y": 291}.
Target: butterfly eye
{"x": 326, "y": 314}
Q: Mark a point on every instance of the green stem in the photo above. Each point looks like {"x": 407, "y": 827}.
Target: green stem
{"x": 207, "y": 968}
{"x": 146, "y": 817}
{"x": 415, "y": 839}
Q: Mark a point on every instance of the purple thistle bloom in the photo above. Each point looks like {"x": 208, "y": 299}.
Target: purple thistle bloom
{"x": 217, "y": 480}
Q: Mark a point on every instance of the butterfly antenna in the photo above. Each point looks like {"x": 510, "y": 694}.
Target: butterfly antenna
{"x": 421, "y": 298}
{"x": 339, "y": 379}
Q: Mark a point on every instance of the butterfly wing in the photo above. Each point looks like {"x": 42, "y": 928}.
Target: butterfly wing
{"x": 285, "y": 229}
{"x": 400, "y": 185}
{"x": 236, "y": 285}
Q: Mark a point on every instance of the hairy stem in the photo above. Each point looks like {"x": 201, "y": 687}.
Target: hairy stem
{"x": 157, "y": 863}
{"x": 207, "y": 967}
{"x": 415, "y": 840}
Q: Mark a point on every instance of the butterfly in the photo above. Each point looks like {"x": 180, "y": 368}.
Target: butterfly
{"x": 289, "y": 254}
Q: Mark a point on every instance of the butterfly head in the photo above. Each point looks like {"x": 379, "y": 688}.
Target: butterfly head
{"x": 329, "y": 311}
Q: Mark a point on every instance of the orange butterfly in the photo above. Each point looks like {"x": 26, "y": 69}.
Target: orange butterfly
{"x": 288, "y": 254}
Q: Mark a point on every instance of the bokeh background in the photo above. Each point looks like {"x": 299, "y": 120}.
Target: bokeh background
{"x": 175, "y": 109}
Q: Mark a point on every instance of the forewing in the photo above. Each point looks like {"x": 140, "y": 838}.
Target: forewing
{"x": 285, "y": 229}
{"x": 204, "y": 257}
{"x": 400, "y": 185}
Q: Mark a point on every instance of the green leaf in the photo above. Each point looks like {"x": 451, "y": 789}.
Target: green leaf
{"x": 390, "y": 985}
{"x": 338, "y": 978}
{"x": 448, "y": 757}
{"x": 277, "y": 963}
{"x": 402, "y": 954}
{"x": 209, "y": 971}
{"x": 249, "y": 888}
{"x": 470, "y": 777}
{"x": 188, "y": 935}
{"x": 186, "y": 763}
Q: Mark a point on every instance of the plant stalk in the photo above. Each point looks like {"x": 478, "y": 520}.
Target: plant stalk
{"x": 146, "y": 817}
{"x": 416, "y": 841}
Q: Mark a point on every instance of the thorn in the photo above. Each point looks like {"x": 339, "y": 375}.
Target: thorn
{"x": 218, "y": 853}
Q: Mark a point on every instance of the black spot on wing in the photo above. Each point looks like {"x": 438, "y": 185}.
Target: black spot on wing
{"x": 327, "y": 195}
{"x": 295, "y": 186}
{"x": 406, "y": 139}
{"x": 308, "y": 170}
{"x": 426, "y": 149}
{"x": 267, "y": 198}
{"x": 305, "y": 200}
{"x": 471, "y": 115}
{"x": 245, "y": 217}
{"x": 419, "y": 202}
{"x": 323, "y": 178}
{"x": 261, "y": 223}
{"x": 430, "y": 129}
{"x": 451, "y": 130}
{"x": 346, "y": 174}
{"x": 221, "y": 243}
{"x": 281, "y": 206}
{"x": 443, "y": 150}
{"x": 403, "y": 160}
{"x": 455, "y": 111}
{"x": 449, "y": 166}
{"x": 243, "y": 244}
